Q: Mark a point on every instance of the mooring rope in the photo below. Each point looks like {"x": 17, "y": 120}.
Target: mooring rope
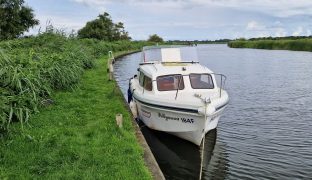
{"x": 202, "y": 158}
{"x": 203, "y": 144}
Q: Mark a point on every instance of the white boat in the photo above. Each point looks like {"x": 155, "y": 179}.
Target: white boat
{"x": 173, "y": 93}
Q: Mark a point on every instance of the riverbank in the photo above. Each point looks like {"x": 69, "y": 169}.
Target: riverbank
{"x": 33, "y": 68}
{"x": 282, "y": 44}
{"x": 76, "y": 136}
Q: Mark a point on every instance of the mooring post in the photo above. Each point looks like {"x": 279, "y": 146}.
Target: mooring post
{"x": 111, "y": 60}
{"x": 111, "y": 70}
{"x": 108, "y": 64}
{"x": 119, "y": 120}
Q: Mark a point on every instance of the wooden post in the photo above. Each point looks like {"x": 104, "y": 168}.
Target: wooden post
{"x": 108, "y": 64}
{"x": 111, "y": 71}
{"x": 119, "y": 120}
{"x": 111, "y": 59}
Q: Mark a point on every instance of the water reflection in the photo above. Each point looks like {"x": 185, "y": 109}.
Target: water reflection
{"x": 180, "y": 159}
{"x": 215, "y": 162}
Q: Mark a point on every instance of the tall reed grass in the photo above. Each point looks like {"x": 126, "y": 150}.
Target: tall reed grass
{"x": 32, "y": 68}
{"x": 283, "y": 44}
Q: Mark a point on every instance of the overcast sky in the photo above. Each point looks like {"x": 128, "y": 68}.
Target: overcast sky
{"x": 184, "y": 19}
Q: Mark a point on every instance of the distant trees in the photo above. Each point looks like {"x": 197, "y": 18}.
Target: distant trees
{"x": 155, "y": 38}
{"x": 103, "y": 28}
{"x": 15, "y": 18}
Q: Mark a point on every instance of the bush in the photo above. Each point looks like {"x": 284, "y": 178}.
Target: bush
{"x": 155, "y": 38}
{"x": 103, "y": 28}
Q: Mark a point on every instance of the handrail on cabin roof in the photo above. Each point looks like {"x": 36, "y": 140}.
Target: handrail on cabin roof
{"x": 163, "y": 46}
{"x": 168, "y": 62}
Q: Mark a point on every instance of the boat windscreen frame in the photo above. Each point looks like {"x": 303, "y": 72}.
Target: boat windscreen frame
{"x": 211, "y": 78}
{"x": 142, "y": 81}
{"x": 179, "y": 81}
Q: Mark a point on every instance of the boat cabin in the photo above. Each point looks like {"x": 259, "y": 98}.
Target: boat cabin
{"x": 172, "y": 77}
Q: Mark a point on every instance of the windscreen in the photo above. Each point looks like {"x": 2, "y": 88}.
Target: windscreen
{"x": 201, "y": 81}
{"x": 175, "y": 54}
{"x": 170, "y": 82}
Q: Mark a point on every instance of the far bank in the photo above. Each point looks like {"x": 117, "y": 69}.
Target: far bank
{"x": 282, "y": 44}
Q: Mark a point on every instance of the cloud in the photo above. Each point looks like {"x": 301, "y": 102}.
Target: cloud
{"x": 185, "y": 19}
{"x": 280, "y": 8}
{"x": 256, "y": 29}
{"x": 157, "y": 5}
{"x": 62, "y": 23}
{"x": 280, "y": 32}
{"x": 298, "y": 31}
{"x": 255, "y": 26}
{"x": 92, "y": 2}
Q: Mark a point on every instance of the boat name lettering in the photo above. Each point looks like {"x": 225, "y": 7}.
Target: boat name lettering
{"x": 162, "y": 115}
{"x": 146, "y": 113}
{"x": 186, "y": 120}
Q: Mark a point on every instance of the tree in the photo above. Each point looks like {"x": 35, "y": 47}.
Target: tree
{"x": 103, "y": 28}
{"x": 155, "y": 38}
{"x": 15, "y": 19}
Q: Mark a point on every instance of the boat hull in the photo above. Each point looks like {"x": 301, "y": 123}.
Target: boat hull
{"x": 186, "y": 125}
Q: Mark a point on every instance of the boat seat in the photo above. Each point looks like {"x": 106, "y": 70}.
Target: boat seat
{"x": 166, "y": 86}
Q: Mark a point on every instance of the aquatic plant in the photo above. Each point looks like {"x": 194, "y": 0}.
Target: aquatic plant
{"x": 304, "y": 44}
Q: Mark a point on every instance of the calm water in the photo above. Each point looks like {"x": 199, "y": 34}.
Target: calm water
{"x": 266, "y": 131}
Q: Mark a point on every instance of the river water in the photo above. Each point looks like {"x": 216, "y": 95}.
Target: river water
{"x": 266, "y": 130}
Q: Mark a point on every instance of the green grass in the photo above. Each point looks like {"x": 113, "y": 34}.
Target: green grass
{"x": 281, "y": 44}
{"x": 33, "y": 68}
{"x": 76, "y": 137}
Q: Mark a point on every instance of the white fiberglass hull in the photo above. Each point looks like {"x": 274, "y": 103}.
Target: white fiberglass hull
{"x": 190, "y": 126}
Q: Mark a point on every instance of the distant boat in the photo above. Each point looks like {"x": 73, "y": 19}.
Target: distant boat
{"x": 172, "y": 92}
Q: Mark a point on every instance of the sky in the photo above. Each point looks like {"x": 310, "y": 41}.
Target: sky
{"x": 182, "y": 19}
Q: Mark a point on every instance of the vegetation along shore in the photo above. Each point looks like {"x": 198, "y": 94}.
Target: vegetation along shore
{"x": 75, "y": 134}
{"x": 279, "y": 43}
{"x": 57, "y": 105}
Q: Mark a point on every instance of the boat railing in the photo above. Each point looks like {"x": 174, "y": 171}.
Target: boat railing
{"x": 163, "y": 46}
{"x": 221, "y": 82}
{"x": 173, "y": 62}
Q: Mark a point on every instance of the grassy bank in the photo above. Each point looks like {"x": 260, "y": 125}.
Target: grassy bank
{"x": 76, "y": 137}
{"x": 281, "y": 44}
{"x": 33, "y": 68}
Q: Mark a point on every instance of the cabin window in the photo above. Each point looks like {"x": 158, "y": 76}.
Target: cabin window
{"x": 147, "y": 84}
{"x": 170, "y": 82}
{"x": 201, "y": 81}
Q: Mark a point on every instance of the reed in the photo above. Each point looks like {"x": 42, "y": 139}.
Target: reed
{"x": 32, "y": 68}
{"x": 304, "y": 44}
